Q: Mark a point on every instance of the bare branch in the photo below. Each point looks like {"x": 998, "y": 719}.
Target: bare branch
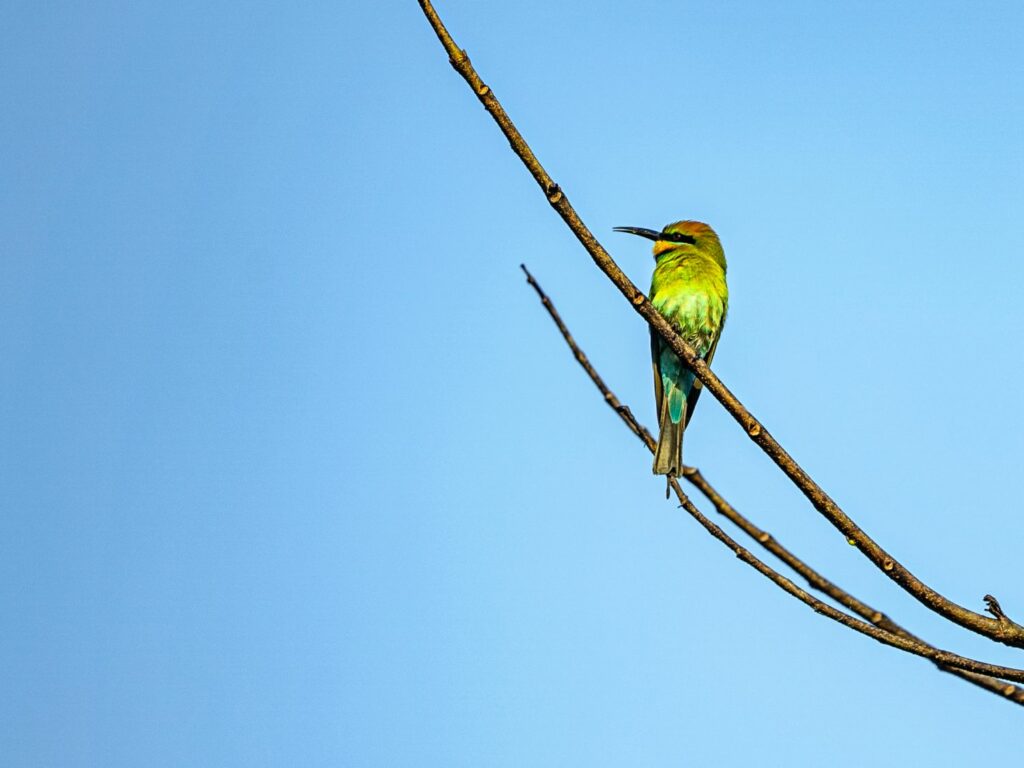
{"x": 1001, "y": 629}
{"x": 814, "y": 579}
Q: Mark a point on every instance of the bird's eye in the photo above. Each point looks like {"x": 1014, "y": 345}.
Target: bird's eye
{"x": 677, "y": 237}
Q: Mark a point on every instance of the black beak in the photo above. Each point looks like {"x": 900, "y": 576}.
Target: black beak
{"x": 650, "y": 234}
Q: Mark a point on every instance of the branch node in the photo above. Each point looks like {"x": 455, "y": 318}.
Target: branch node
{"x": 483, "y": 90}
{"x": 753, "y": 428}
{"x": 888, "y": 565}
{"x": 459, "y": 58}
{"x": 765, "y": 537}
{"x": 638, "y": 299}
{"x": 554, "y": 193}
{"x": 993, "y": 607}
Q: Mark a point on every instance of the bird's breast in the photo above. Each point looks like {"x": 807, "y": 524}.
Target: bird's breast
{"x": 696, "y": 311}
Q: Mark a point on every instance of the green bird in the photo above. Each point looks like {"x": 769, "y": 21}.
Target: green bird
{"x": 688, "y": 288}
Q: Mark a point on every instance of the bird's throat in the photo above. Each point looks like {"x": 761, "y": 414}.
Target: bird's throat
{"x": 664, "y": 246}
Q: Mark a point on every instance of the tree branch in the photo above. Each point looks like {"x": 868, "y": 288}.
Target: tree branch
{"x": 1001, "y": 629}
{"x": 882, "y": 622}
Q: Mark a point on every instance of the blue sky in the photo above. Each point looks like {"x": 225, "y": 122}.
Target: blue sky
{"x": 295, "y": 471}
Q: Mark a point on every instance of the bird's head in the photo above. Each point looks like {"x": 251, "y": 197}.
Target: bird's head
{"x": 682, "y": 236}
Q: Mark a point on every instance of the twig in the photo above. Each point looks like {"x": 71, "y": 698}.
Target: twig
{"x": 1003, "y": 630}
{"x": 814, "y": 579}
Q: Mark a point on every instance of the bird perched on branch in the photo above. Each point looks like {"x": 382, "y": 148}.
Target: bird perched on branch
{"x": 688, "y": 288}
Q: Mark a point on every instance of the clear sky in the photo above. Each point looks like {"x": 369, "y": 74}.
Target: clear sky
{"x": 294, "y": 471}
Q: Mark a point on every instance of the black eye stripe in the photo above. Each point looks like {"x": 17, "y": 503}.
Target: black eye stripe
{"x": 678, "y": 237}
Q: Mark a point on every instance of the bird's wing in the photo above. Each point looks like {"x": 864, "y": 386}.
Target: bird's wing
{"x": 659, "y": 393}
{"x": 691, "y": 400}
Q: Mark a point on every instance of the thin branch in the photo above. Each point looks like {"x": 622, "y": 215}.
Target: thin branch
{"x": 883, "y": 623}
{"x": 1001, "y": 629}
{"x": 825, "y": 586}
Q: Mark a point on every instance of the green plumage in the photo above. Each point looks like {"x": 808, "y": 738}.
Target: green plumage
{"x": 689, "y": 288}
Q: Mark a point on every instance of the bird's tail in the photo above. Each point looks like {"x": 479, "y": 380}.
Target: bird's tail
{"x": 668, "y": 456}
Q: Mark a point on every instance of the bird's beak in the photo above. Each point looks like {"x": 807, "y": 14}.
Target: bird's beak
{"x": 650, "y": 234}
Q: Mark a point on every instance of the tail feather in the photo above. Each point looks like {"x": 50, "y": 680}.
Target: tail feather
{"x": 668, "y": 456}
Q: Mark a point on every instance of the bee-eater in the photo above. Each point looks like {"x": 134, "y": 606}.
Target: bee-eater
{"x": 688, "y": 288}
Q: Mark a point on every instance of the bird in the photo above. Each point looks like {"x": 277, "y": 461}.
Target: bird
{"x": 689, "y": 289}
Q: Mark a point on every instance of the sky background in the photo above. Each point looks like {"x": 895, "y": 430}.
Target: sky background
{"x": 295, "y": 471}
